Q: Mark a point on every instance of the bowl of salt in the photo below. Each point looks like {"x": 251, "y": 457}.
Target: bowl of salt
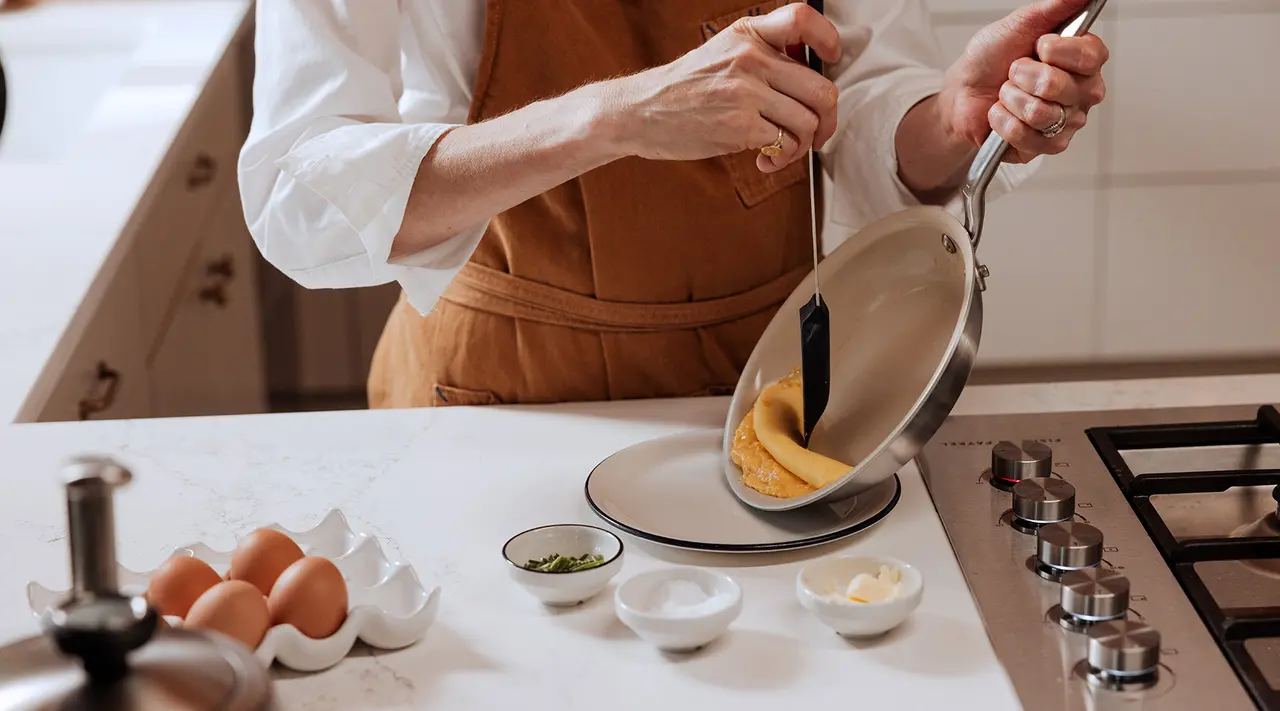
{"x": 678, "y": 609}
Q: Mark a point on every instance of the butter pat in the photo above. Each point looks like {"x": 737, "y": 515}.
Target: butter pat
{"x": 882, "y": 587}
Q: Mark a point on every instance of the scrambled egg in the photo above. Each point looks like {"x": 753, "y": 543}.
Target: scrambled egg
{"x": 770, "y": 436}
{"x": 760, "y": 470}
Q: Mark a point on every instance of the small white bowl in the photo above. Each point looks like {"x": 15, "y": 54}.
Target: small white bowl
{"x": 563, "y": 589}
{"x": 678, "y": 609}
{"x": 821, "y": 586}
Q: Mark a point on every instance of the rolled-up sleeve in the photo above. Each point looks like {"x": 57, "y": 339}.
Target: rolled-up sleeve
{"x": 326, "y": 171}
{"x": 901, "y": 67}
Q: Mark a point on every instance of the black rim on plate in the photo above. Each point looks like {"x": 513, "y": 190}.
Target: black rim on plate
{"x": 745, "y": 547}
{"x": 4, "y": 97}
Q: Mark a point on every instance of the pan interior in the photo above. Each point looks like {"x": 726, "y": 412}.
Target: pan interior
{"x": 897, "y": 295}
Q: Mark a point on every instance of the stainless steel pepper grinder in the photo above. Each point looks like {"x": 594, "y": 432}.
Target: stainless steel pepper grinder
{"x": 102, "y": 650}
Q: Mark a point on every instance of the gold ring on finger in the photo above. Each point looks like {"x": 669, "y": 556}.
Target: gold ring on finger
{"x": 775, "y": 148}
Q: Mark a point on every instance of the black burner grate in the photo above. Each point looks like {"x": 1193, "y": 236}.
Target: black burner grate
{"x": 1231, "y": 627}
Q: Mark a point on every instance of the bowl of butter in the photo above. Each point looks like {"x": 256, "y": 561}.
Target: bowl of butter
{"x": 860, "y": 596}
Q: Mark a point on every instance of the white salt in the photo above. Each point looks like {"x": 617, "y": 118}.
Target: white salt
{"x": 675, "y": 596}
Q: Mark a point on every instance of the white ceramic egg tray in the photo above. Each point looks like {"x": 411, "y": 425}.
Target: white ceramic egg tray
{"x": 388, "y": 606}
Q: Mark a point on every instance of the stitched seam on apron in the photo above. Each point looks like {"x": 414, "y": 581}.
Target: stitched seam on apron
{"x": 492, "y": 28}
{"x": 487, "y": 289}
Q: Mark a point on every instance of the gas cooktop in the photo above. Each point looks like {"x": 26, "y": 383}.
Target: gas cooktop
{"x": 1121, "y": 559}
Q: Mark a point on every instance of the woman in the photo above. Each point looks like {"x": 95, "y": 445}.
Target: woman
{"x": 607, "y": 199}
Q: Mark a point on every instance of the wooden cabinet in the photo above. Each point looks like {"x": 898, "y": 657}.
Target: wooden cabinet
{"x": 105, "y": 376}
{"x": 209, "y": 359}
{"x": 187, "y": 190}
{"x": 176, "y": 330}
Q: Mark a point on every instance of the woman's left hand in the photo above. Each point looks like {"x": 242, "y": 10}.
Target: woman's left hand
{"x": 1037, "y": 106}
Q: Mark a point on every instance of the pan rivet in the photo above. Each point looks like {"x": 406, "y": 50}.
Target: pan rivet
{"x": 948, "y": 244}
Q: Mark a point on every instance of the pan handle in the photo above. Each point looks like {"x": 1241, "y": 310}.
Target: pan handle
{"x": 985, "y": 164}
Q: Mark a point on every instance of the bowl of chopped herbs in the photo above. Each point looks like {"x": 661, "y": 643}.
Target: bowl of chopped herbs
{"x": 563, "y": 564}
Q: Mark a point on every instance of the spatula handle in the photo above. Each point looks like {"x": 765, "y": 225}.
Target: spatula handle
{"x": 987, "y": 162}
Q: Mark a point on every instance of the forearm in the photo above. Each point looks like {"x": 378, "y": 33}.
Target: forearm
{"x": 477, "y": 171}
{"x": 932, "y": 160}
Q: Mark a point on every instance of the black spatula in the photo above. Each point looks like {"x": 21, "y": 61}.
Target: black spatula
{"x": 815, "y": 319}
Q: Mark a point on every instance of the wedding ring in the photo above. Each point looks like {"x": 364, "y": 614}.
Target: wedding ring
{"x": 1058, "y": 125}
{"x": 775, "y": 148}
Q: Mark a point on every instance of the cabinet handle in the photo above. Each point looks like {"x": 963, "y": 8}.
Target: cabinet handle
{"x": 222, "y": 270}
{"x": 215, "y": 294}
{"x": 110, "y": 381}
{"x": 202, "y": 171}
{"x": 222, "y": 267}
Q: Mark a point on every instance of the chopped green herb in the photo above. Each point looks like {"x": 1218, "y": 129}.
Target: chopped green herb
{"x": 556, "y": 563}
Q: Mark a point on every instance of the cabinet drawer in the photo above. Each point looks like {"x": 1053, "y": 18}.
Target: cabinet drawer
{"x": 200, "y": 166}
{"x": 209, "y": 361}
{"x": 105, "y": 376}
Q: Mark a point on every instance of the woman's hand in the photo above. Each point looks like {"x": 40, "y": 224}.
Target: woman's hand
{"x": 995, "y": 86}
{"x": 729, "y": 95}
{"x": 734, "y": 93}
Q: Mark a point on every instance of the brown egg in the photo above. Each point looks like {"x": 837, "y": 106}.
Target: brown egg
{"x": 312, "y": 596}
{"x": 176, "y": 584}
{"x": 234, "y": 608}
{"x": 261, "y": 557}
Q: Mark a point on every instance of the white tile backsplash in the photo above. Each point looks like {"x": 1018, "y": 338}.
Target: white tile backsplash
{"x": 1038, "y": 307}
{"x": 1195, "y": 94}
{"x": 1192, "y": 271}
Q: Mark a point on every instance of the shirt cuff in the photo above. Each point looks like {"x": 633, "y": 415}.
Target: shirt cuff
{"x": 865, "y": 156}
{"x": 366, "y": 173}
{"x": 866, "y": 185}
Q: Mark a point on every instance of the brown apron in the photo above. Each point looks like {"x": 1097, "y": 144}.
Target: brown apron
{"x": 638, "y": 279}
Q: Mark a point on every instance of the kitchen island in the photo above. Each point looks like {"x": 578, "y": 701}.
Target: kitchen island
{"x": 447, "y": 487}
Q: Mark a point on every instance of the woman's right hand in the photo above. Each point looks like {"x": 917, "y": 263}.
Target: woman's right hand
{"x": 734, "y": 92}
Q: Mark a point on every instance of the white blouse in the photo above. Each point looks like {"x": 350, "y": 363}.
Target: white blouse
{"x": 349, "y": 96}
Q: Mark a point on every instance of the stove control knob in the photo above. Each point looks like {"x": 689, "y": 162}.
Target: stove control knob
{"x": 1094, "y": 595}
{"x": 1124, "y": 649}
{"x": 1066, "y": 546}
{"x": 1042, "y": 500}
{"x": 1011, "y": 463}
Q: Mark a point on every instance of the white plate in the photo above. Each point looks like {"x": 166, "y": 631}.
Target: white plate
{"x": 389, "y": 607}
{"x": 671, "y": 491}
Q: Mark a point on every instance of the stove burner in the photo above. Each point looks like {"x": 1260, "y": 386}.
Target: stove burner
{"x": 1192, "y": 541}
{"x": 1208, "y": 566}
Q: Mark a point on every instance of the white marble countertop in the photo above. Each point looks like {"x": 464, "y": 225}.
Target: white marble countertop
{"x": 97, "y": 92}
{"x": 448, "y": 486}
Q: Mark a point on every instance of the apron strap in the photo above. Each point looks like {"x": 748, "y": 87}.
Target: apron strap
{"x": 491, "y": 291}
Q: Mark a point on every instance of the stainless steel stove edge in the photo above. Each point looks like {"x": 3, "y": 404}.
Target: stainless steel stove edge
{"x": 1042, "y": 658}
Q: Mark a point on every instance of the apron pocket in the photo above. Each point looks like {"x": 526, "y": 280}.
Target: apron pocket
{"x": 755, "y": 187}
{"x": 752, "y": 186}
{"x": 448, "y": 395}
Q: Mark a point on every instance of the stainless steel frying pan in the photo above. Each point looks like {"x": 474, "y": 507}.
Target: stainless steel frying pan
{"x": 906, "y": 300}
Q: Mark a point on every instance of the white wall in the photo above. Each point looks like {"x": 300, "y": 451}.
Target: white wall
{"x": 1155, "y": 237}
